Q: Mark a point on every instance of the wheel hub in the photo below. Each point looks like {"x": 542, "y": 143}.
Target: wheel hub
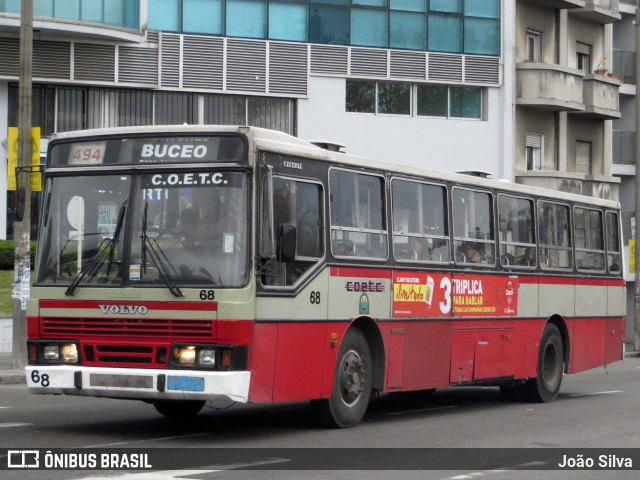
{"x": 352, "y": 378}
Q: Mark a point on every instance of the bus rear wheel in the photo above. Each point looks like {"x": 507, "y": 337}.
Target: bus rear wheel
{"x": 179, "y": 408}
{"x": 545, "y": 387}
{"x": 351, "y": 390}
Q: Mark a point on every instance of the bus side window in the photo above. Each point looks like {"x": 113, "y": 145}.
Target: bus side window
{"x": 515, "y": 231}
{"x": 297, "y": 203}
{"x": 589, "y": 238}
{"x": 473, "y": 226}
{"x": 357, "y": 214}
{"x": 420, "y": 227}
{"x": 554, "y": 236}
{"x": 613, "y": 242}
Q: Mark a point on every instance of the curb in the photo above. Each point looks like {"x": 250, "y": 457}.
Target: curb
{"x": 12, "y": 379}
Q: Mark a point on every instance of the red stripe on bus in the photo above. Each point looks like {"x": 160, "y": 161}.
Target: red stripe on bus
{"x": 360, "y": 272}
{"x": 185, "y": 306}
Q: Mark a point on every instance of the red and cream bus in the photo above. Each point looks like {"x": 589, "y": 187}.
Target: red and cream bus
{"x": 185, "y": 264}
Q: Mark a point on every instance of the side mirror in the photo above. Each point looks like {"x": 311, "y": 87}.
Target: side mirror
{"x": 21, "y": 195}
{"x": 286, "y": 243}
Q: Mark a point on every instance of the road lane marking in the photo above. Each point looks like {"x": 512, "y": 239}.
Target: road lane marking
{"x": 176, "y": 474}
{"x": 159, "y": 439}
{"x": 485, "y": 473}
{"x": 14, "y": 424}
{"x": 609, "y": 392}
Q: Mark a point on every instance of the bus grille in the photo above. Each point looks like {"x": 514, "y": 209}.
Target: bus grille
{"x": 72, "y": 327}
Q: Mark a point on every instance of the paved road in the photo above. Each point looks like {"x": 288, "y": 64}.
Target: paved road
{"x": 596, "y": 409}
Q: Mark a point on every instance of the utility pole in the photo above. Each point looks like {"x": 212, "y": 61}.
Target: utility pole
{"x": 636, "y": 312}
{"x": 22, "y": 229}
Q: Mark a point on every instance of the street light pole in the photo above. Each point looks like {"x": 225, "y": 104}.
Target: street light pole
{"x": 22, "y": 228}
{"x": 636, "y": 312}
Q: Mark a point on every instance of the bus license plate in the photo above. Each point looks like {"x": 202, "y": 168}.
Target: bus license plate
{"x": 189, "y": 384}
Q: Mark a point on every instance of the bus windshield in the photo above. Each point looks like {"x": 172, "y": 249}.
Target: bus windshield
{"x": 169, "y": 228}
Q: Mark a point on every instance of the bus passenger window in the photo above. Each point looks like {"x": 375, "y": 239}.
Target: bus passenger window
{"x": 589, "y": 239}
{"x": 297, "y": 203}
{"x": 473, "y": 226}
{"x": 613, "y": 242}
{"x": 515, "y": 232}
{"x": 420, "y": 227}
{"x": 554, "y": 236}
{"x": 358, "y": 220}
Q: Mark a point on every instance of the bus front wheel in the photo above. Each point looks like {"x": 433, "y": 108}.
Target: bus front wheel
{"x": 546, "y": 385}
{"x": 179, "y": 408}
{"x": 351, "y": 383}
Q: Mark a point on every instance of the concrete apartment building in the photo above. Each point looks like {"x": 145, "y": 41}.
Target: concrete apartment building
{"x": 503, "y": 86}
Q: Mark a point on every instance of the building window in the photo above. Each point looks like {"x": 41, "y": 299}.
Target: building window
{"x": 246, "y": 18}
{"x": 378, "y": 97}
{"x": 369, "y": 27}
{"x": 397, "y": 98}
{"x": 472, "y": 26}
{"x": 583, "y": 157}
{"x": 203, "y": 16}
{"x": 394, "y": 98}
{"x": 80, "y": 108}
{"x": 444, "y": 33}
{"x": 533, "y": 151}
{"x": 287, "y": 21}
{"x": 534, "y": 46}
{"x": 449, "y": 102}
{"x": 583, "y": 57}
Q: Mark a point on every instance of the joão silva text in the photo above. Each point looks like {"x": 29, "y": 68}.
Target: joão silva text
{"x": 604, "y": 461}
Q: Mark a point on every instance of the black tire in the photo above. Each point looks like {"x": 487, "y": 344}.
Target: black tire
{"x": 351, "y": 390}
{"x": 545, "y": 387}
{"x": 179, "y": 408}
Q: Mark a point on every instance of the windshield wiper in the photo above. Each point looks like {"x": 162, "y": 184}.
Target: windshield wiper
{"x": 106, "y": 248}
{"x": 151, "y": 248}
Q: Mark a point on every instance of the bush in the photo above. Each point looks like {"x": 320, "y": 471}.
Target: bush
{"x": 8, "y": 254}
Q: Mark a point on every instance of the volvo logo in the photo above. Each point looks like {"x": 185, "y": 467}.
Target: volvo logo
{"x": 124, "y": 309}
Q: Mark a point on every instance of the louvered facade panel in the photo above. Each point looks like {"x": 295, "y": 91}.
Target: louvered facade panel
{"x": 368, "y": 62}
{"x": 329, "y": 60}
{"x": 94, "y": 62}
{"x": 9, "y": 57}
{"x": 408, "y": 65}
{"x": 246, "y": 66}
{"x": 51, "y": 60}
{"x": 138, "y": 65}
{"x": 203, "y": 61}
{"x": 170, "y": 60}
{"x": 447, "y": 68}
{"x": 153, "y": 36}
{"x": 288, "y": 70}
{"x": 482, "y": 70}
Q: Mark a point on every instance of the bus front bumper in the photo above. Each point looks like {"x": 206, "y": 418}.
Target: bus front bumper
{"x": 141, "y": 384}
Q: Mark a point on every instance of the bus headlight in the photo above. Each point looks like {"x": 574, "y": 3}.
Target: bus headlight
{"x": 69, "y": 353}
{"x": 54, "y": 352}
{"x": 185, "y": 355}
{"x": 207, "y": 357}
{"x": 51, "y": 352}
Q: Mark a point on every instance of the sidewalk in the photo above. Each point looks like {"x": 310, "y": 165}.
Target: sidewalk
{"x": 8, "y": 374}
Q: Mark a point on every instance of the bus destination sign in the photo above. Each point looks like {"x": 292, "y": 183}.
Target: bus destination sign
{"x": 149, "y": 150}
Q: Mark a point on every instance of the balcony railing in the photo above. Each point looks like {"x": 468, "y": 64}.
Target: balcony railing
{"x": 624, "y": 151}
{"x": 124, "y": 14}
{"x": 624, "y": 65}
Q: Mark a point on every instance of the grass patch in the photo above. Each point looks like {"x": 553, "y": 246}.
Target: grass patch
{"x": 6, "y": 286}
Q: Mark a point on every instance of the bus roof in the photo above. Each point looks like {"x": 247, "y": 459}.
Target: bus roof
{"x": 280, "y": 142}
